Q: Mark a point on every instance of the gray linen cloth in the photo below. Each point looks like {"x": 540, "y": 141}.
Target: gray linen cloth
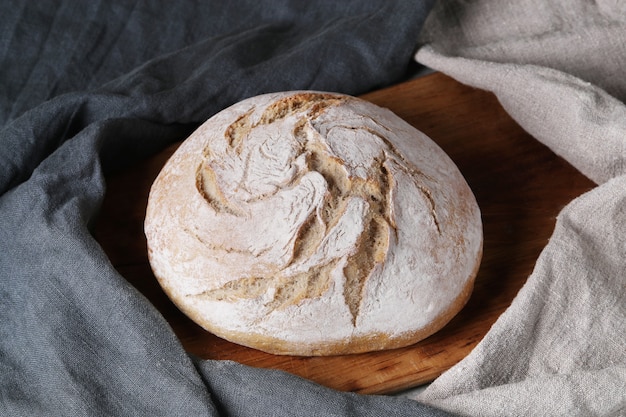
{"x": 87, "y": 88}
{"x": 559, "y": 69}
{"x": 91, "y": 87}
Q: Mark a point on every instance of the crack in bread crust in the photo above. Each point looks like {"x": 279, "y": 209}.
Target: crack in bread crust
{"x": 300, "y": 280}
{"x": 303, "y": 223}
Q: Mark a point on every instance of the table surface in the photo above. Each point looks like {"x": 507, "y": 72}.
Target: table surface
{"x": 520, "y": 186}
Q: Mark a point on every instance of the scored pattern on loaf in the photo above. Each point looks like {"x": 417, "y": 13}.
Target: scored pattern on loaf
{"x": 356, "y": 203}
{"x": 313, "y": 223}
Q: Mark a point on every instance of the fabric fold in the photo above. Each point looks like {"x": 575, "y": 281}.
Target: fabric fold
{"x": 559, "y": 349}
{"x": 577, "y": 120}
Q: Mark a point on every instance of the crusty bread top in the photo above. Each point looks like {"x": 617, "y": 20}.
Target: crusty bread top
{"x": 312, "y": 218}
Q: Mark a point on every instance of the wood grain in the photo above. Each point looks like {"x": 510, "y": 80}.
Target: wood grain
{"x": 520, "y": 186}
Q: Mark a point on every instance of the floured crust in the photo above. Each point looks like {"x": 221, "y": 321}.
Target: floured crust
{"x": 311, "y": 223}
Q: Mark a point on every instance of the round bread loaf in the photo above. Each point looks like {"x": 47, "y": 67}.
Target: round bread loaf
{"x": 311, "y": 223}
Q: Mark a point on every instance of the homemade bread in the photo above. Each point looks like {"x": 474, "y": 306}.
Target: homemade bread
{"x": 311, "y": 223}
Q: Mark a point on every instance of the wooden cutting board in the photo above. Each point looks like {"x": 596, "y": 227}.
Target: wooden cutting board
{"x": 520, "y": 186}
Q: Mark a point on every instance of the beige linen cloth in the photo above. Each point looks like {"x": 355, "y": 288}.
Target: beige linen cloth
{"x": 559, "y": 69}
